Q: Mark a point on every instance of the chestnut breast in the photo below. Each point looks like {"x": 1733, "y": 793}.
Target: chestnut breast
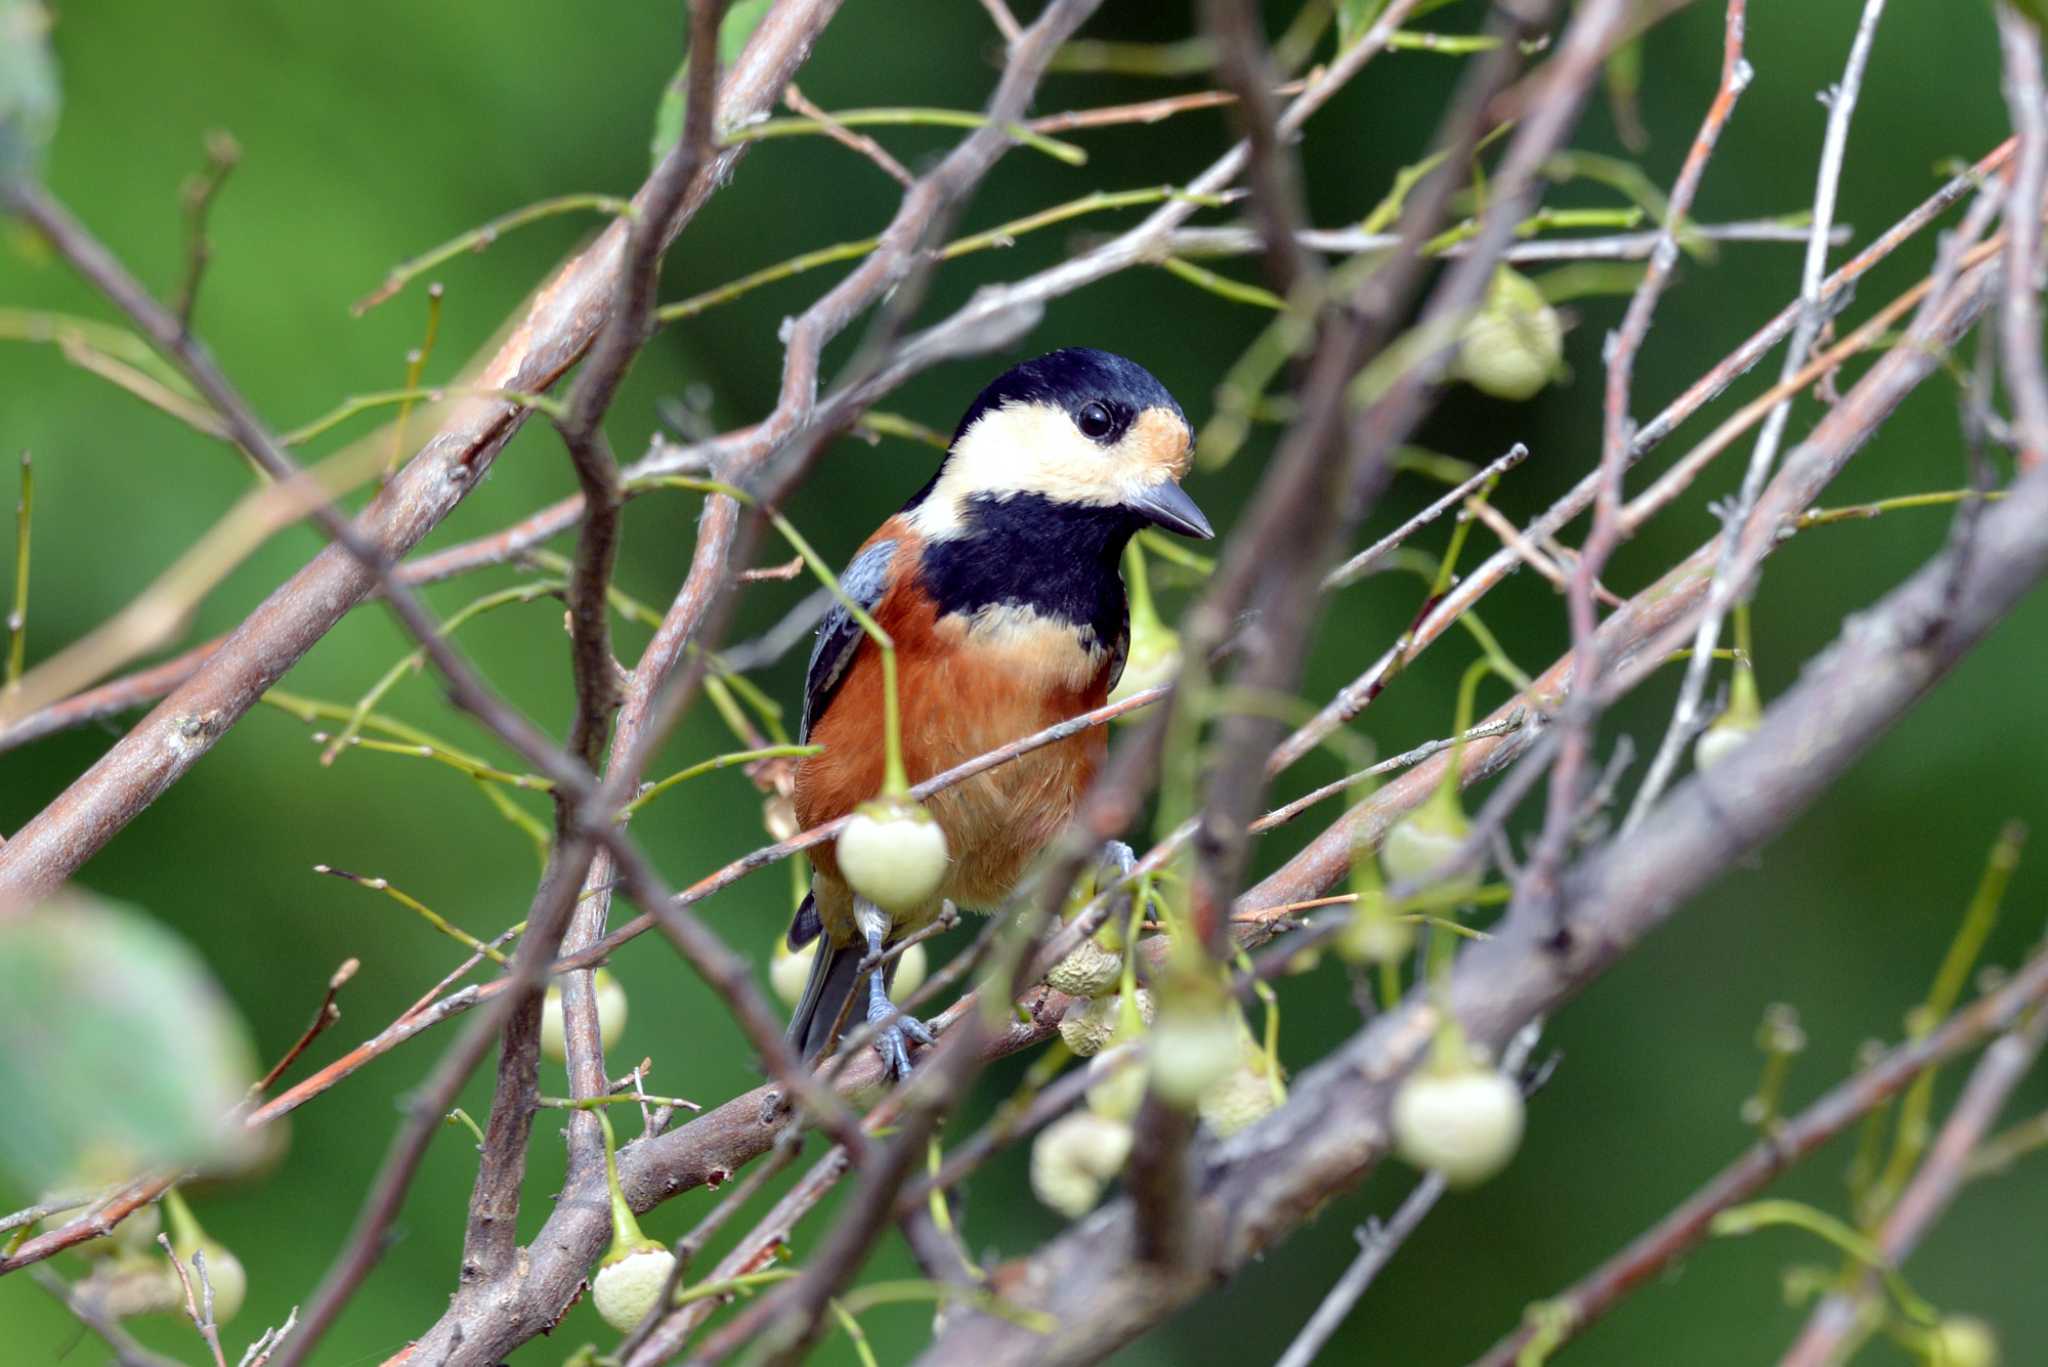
{"x": 968, "y": 682}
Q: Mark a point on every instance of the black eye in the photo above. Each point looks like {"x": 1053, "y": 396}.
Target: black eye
{"x": 1095, "y": 422}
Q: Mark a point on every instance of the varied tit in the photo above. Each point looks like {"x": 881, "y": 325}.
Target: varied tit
{"x": 998, "y": 583}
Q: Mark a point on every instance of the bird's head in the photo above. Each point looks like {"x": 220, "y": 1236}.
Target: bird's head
{"x": 1078, "y": 428}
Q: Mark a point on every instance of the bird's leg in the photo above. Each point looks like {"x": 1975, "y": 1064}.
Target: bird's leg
{"x": 893, "y": 1026}
{"x": 1112, "y": 867}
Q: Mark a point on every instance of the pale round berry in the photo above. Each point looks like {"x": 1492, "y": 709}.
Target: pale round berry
{"x": 128, "y": 1285}
{"x": 1722, "y": 739}
{"x": 1374, "y": 935}
{"x": 1418, "y": 844}
{"x": 893, "y": 853}
{"x": 1119, "y": 1090}
{"x": 911, "y": 967}
{"x": 1193, "y": 1050}
{"x": 1089, "y": 971}
{"x": 1962, "y": 1341}
{"x": 1514, "y": 344}
{"x": 1465, "y": 1125}
{"x": 1089, "y": 1027}
{"x": 624, "y": 1290}
{"x": 1249, "y": 1093}
{"x": 611, "y": 1016}
{"x": 789, "y": 971}
{"x": 1074, "y": 1158}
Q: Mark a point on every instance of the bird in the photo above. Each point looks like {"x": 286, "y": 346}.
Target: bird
{"x": 999, "y": 585}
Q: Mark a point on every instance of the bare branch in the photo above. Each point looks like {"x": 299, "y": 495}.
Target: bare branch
{"x": 1686, "y": 717}
{"x": 1582, "y": 1305}
{"x": 2004, "y": 1066}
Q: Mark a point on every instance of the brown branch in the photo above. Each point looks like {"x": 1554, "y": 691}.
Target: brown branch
{"x": 327, "y": 1015}
{"x": 563, "y": 317}
{"x": 847, "y": 137}
{"x": 1258, "y": 1185}
{"x": 1731, "y": 577}
{"x": 1354, "y": 697}
{"x": 1579, "y": 1307}
{"x": 2004, "y": 1066}
{"x": 2019, "y": 314}
{"x": 96, "y": 1223}
{"x": 1536, "y": 891}
{"x": 781, "y": 1326}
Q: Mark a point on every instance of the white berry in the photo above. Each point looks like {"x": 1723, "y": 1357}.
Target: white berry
{"x": 1419, "y": 843}
{"x": 894, "y": 854}
{"x": 789, "y": 972}
{"x": 1465, "y": 1125}
{"x": 1246, "y": 1095}
{"x": 1513, "y": 345}
{"x": 1119, "y": 1088}
{"x": 1089, "y": 971}
{"x": 1192, "y": 1051}
{"x": 1075, "y": 1157}
{"x": 625, "y": 1290}
{"x": 1089, "y": 1027}
{"x": 1720, "y": 740}
{"x": 611, "y": 1016}
{"x": 1962, "y": 1341}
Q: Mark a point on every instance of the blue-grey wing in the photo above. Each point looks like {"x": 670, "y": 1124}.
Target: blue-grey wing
{"x": 839, "y": 636}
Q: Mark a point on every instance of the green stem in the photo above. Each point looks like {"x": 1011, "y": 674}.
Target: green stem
{"x": 906, "y": 117}
{"x": 1764, "y": 1214}
{"x": 482, "y": 236}
{"x": 415, "y": 369}
{"x": 1144, "y": 614}
{"x": 1821, "y": 517}
{"x": 726, "y": 761}
{"x": 420, "y": 909}
{"x": 1236, "y": 291}
{"x": 1744, "y": 703}
{"x": 1002, "y": 235}
{"x": 626, "y": 1235}
{"x": 598, "y": 1103}
{"x": 521, "y": 593}
{"x": 362, "y": 403}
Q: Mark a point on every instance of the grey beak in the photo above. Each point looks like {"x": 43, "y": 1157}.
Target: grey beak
{"x": 1168, "y": 505}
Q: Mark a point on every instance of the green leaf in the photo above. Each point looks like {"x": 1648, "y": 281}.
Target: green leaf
{"x": 1354, "y": 17}
{"x": 118, "y": 1050}
{"x": 740, "y": 21}
{"x": 29, "y": 98}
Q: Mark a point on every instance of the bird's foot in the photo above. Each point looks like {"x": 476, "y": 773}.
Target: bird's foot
{"x": 898, "y": 1032}
{"x": 895, "y": 1030}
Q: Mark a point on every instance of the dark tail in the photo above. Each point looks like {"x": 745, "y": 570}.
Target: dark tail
{"x": 835, "y": 975}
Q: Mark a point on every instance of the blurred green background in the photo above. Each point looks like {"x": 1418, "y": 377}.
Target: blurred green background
{"x": 374, "y": 130}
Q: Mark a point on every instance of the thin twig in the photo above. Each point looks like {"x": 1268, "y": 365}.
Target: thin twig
{"x": 2019, "y": 315}
{"x": 222, "y": 155}
{"x": 847, "y": 137}
{"x": 2004, "y": 1066}
{"x": 1355, "y": 696}
{"x": 327, "y": 1015}
{"x": 1378, "y": 1243}
{"x": 1536, "y": 892}
{"x": 1576, "y": 1309}
{"x": 1362, "y": 564}
{"x": 1686, "y": 716}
